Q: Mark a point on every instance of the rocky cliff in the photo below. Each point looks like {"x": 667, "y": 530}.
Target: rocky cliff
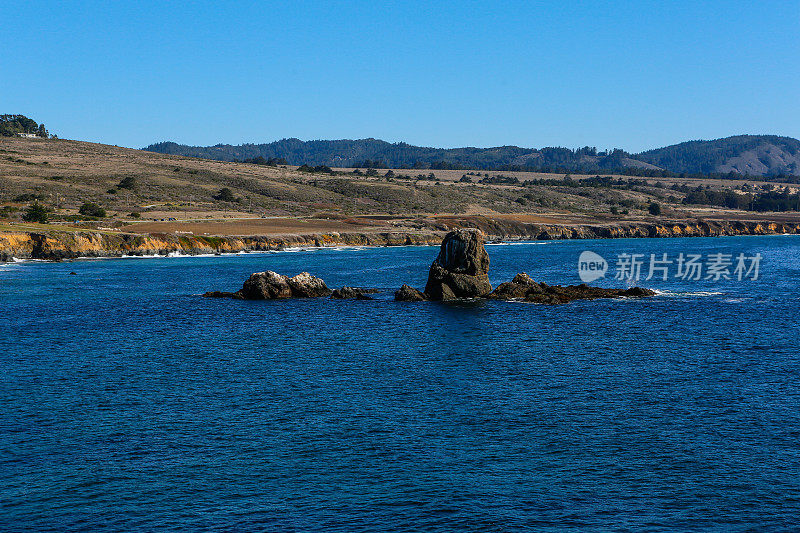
{"x": 58, "y": 245}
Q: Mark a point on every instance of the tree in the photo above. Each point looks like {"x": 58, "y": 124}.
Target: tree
{"x": 36, "y": 213}
{"x": 127, "y": 183}
{"x": 225, "y": 195}
{"x": 42, "y": 132}
{"x": 91, "y": 209}
{"x": 655, "y": 209}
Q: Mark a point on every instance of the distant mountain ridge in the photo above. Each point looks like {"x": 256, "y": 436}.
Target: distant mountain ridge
{"x": 756, "y": 155}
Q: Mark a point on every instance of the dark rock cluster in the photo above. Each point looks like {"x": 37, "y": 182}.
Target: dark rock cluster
{"x": 522, "y": 287}
{"x": 461, "y": 270}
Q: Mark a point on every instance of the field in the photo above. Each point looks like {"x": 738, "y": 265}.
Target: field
{"x": 144, "y": 192}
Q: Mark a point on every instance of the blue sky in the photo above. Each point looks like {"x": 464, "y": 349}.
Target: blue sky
{"x": 634, "y": 75}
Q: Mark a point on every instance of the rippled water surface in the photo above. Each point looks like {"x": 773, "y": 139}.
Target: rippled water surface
{"x": 127, "y": 402}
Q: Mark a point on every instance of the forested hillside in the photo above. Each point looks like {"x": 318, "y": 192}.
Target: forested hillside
{"x": 747, "y": 154}
{"x": 758, "y": 155}
{"x": 381, "y": 154}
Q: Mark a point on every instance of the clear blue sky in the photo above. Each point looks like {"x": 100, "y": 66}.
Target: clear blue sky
{"x": 634, "y": 75}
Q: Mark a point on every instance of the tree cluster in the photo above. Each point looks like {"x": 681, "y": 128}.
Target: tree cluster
{"x": 11, "y": 125}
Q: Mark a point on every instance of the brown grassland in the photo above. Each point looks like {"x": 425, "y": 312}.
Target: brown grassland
{"x": 177, "y": 194}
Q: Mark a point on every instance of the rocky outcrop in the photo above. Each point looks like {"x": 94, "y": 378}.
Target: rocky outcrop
{"x": 304, "y": 285}
{"x": 270, "y": 285}
{"x": 461, "y": 270}
{"x": 409, "y": 294}
{"x": 519, "y": 287}
{"x": 524, "y": 288}
{"x": 352, "y": 293}
{"x": 267, "y": 285}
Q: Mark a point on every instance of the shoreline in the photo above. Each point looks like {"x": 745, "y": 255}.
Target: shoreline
{"x": 57, "y": 245}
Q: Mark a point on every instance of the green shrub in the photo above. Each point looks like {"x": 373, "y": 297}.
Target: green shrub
{"x": 225, "y": 195}
{"x": 127, "y": 183}
{"x": 91, "y": 209}
{"x": 36, "y": 213}
{"x": 28, "y": 197}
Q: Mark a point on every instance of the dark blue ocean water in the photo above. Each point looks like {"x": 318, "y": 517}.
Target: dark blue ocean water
{"x": 128, "y": 402}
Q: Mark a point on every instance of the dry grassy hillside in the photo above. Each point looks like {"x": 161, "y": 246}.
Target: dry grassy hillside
{"x": 64, "y": 174}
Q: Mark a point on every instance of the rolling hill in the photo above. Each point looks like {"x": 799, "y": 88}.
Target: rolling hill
{"x": 755, "y": 155}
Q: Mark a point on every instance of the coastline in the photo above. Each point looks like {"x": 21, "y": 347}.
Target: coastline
{"x": 57, "y": 245}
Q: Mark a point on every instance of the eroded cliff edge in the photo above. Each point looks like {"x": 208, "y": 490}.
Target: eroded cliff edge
{"x": 59, "y": 245}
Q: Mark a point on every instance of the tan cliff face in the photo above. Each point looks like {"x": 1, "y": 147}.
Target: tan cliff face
{"x": 57, "y": 245}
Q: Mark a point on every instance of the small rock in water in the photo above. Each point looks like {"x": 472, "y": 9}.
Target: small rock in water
{"x": 352, "y": 293}
{"x": 409, "y": 294}
{"x": 220, "y": 294}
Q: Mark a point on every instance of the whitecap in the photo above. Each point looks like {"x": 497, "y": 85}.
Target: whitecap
{"x": 681, "y": 294}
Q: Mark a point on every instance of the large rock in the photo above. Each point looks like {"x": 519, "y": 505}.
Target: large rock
{"x": 304, "y": 285}
{"x": 461, "y": 270}
{"x": 267, "y": 285}
{"x": 273, "y": 286}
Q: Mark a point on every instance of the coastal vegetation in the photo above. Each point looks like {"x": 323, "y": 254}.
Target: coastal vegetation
{"x": 36, "y": 212}
{"x": 80, "y": 183}
{"x": 11, "y": 125}
{"x": 91, "y": 209}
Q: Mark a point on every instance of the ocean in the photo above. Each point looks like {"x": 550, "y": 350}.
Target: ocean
{"x": 130, "y": 403}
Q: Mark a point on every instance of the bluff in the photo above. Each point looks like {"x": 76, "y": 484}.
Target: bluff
{"x": 56, "y": 245}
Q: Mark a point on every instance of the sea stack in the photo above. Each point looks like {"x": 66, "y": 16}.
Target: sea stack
{"x": 461, "y": 270}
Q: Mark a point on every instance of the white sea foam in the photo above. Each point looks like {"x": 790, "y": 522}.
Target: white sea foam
{"x": 526, "y": 243}
{"x": 682, "y": 294}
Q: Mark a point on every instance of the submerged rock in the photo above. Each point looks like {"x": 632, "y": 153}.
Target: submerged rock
{"x": 220, "y": 294}
{"x": 461, "y": 270}
{"x": 350, "y": 293}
